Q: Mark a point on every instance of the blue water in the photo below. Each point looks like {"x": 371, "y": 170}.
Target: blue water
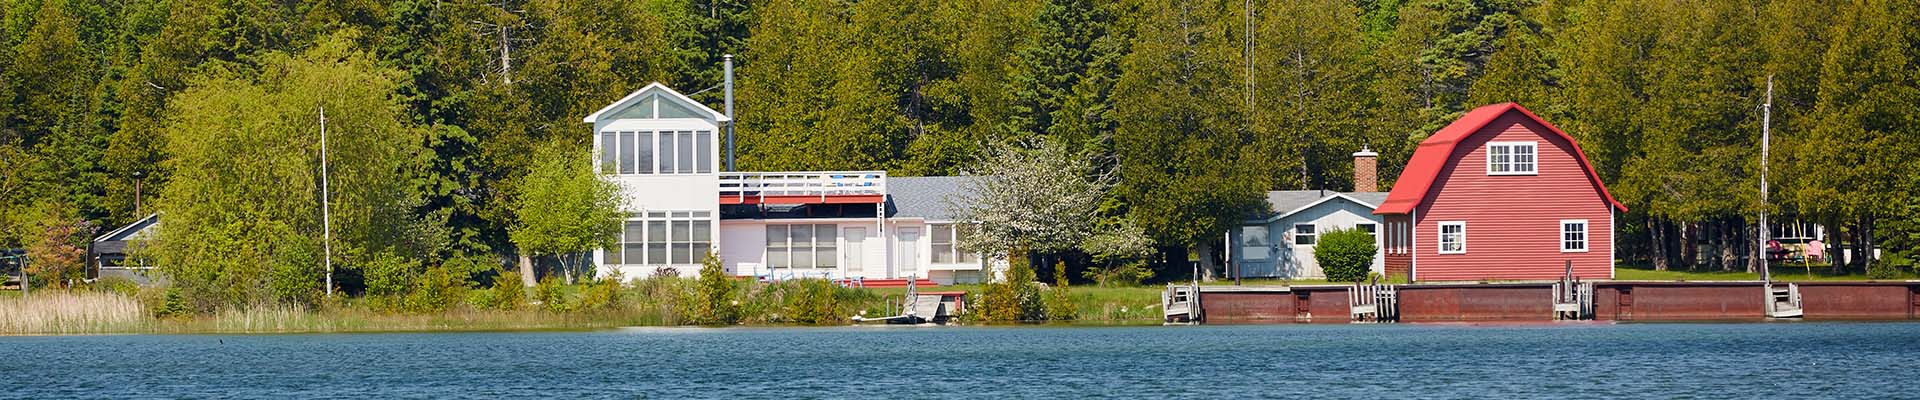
{"x": 1754, "y": 360}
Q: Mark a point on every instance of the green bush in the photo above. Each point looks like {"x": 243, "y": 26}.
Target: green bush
{"x": 116, "y": 284}
{"x": 1014, "y": 297}
{"x": 1886, "y": 270}
{"x": 603, "y": 294}
{"x": 1345, "y": 254}
{"x": 715, "y": 302}
{"x": 439, "y": 288}
{"x": 813, "y": 302}
{"x": 1122, "y": 274}
{"x": 389, "y": 277}
{"x": 550, "y": 295}
{"x": 1060, "y": 306}
{"x": 507, "y": 293}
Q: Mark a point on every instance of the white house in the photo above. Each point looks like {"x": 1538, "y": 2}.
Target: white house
{"x": 1280, "y": 243}
{"x": 662, "y": 148}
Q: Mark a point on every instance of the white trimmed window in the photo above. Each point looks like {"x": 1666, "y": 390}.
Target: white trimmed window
{"x": 946, "y": 245}
{"x": 1372, "y": 229}
{"x": 803, "y": 246}
{"x": 1305, "y": 235}
{"x": 661, "y": 238}
{"x": 1453, "y": 237}
{"x": 1512, "y": 158}
{"x": 656, "y": 152}
{"x": 1573, "y": 236}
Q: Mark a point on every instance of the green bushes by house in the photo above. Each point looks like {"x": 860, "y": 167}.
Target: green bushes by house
{"x": 1346, "y": 255}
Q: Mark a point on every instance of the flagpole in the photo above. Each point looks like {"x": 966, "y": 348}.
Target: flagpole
{"x": 326, "y": 217}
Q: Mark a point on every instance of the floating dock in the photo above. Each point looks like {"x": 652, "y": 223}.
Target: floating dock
{"x": 1544, "y": 301}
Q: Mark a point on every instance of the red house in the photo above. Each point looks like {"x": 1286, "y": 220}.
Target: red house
{"x": 1498, "y": 194}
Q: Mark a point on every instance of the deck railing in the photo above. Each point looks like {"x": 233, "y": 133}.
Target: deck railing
{"x": 743, "y": 185}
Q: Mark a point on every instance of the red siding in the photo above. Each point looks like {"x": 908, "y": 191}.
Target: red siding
{"x": 1512, "y": 222}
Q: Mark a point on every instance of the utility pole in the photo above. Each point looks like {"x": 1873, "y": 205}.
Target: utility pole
{"x": 326, "y": 216}
{"x": 1766, "y": 133}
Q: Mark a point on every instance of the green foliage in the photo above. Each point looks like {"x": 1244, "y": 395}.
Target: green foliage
{"x": 813, "y": 302}
{"x": 1013, "y": 297}
{"x": 564, "y": 206}
{"x": 551, "y": 295}
{"x": 603, "y": 294}
{"x": 716, "y": 300}
{"x": 438, "y": 289}
{"x": 1346, "y": 254}
{"x": 1059, "y": 301}
{"x": 507, "y": 293}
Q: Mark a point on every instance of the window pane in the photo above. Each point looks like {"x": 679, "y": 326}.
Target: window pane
{"x": 665, "y": 153}
{"x": 776, "y": 235}
{"x": 685, "y": 157}
{"x": 682, "y": 230}
{"x": 970, "y": 258}
{"x": 644, "y": 146}
{"x": 702, "y": 231}
{"x": 825, "y": 235}
{"x": 635, "y": 252}
{"x": 801, "y": 236}
{"x": 942, "y": 253}
{"x": 656, "y": 253}
{"x": 942, "y": 233}
{"x": 612, "y": 256}
{"x": 634, "y": 231}
{"x": 704, "y": 153}
{"x": 625, "y": 153}
{"x": 802, "y": 257}
{"x": 609, "y": 152}
{"x": 777, "y": 258}
{"x": 683, "y": 253}
{"x": 656, "y": 231}
{"x": 701, "y": 251}
{"x": 824, "y": 257}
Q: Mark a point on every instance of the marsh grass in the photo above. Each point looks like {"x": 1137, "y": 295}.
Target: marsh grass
{"x": 71, "y": 312}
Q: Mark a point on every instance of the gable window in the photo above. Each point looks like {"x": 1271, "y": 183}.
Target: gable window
{"x": 1573, "y": 236}
{"x": 656, "y": 152}
{"x": 946, "y": 249}
{"x": 1512, "y": 158}
{"x": 1254, "y": 242}
{"x": 1372, "y": 229}
{"x": 802, "y": 246}
{"x": 1303, "y": 235}
{"x": 1453, "y": 237}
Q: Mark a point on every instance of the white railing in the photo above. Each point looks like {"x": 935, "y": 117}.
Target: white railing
{"x": 743, "y": 185}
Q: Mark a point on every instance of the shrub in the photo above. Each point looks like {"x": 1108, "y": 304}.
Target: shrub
{"x": 1013, "y": 297}
{"x": 715, "y": 302}
{"x": 389, "y": 277}
{"x": 603, "y": 294}
{"x": 1345, "y": 254}
{"x": 1060, "y": 305}
{"x": 116, "y": 284}
{"x": 1121, "y": 274}
{"x": 813, "y": 302}
{"x": 507, "y": 293}
{"x": 438, "y": 289}
{"x": 549, "y": 294}
{"x": 1885, "y": 270}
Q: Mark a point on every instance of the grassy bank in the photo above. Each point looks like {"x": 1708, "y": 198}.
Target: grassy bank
{"x": 649, "y": 303}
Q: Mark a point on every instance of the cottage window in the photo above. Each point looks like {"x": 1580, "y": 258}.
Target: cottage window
{"x": 1573, "y": 236}
{"x": 946, "y": 245}
{"x": 1254, "y": 243}
{"x": 802, "y": 246}
{"x": 1372, "y": 229}
{"x": 661, "y": 238}
{"x": 1304, "y": 235}
{"x": 1453, "y": 237}
{"x": 1512, "y": 158}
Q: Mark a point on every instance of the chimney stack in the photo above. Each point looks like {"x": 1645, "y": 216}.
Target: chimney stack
{"x": 1365, "y": 176}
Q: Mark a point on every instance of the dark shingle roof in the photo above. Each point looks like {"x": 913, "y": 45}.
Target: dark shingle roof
{"x": 925, "y": 196}
{"x": 1282, "y": 201}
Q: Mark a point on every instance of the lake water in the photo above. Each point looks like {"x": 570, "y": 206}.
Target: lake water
{"x": 1751, "y": 360}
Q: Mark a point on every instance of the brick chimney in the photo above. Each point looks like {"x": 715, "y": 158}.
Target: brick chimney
{"x": 1365, "y": 175}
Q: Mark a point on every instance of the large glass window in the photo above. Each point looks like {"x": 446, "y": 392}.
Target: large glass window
{"x": 946, "y": 245}
{"x": 664, "y": 152}
{"x": 705, "y": 151}
{"x": 645, "y": 145}
{"x": 665, "y": 155}
{"x": 686, "y": 157}
{"x": 661, "y": 238}
{"x": 1254, "y": 243}
{"x": 802, "y": 246}
{"x": 609, "y": 152}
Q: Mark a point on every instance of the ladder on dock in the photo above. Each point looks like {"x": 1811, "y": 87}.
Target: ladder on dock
{"x": 1783, "y": 302}
{"x": 1373, "y": 303}
{"x": 1572, "y": 300}
{"x": 1181, "y": 304}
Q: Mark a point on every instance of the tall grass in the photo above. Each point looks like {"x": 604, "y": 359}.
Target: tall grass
{"x": 71, "y": 312}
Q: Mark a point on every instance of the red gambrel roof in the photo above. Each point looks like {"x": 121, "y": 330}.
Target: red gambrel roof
{"x": 1417, "y": 179}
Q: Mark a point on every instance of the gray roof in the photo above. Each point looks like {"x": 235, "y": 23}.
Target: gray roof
{"x": 1281, "y": 201}
{"x": 925, "y": 196}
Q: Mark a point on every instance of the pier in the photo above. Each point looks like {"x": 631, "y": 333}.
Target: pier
{"x": 1545, "y": 301}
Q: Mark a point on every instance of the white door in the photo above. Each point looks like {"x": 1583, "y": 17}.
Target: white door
{"x": 909, "y": 254}
{"x": 855, "y": 251}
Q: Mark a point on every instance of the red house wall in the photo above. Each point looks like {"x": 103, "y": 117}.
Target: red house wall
{"x": 1512, "y": 221}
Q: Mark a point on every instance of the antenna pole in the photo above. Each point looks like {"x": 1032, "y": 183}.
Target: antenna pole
{"x": 326, "y": 216}
{"x": 1766, "y": 133}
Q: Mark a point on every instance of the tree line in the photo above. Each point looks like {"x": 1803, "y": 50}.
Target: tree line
{"x": 209, "y": 109}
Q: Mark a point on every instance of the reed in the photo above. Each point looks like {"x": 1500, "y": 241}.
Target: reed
{"x": 71, "y": 312}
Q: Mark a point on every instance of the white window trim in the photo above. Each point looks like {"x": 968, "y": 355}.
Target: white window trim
{"x": 1586, "y": 238}
{"x": 1536, "y": 157}
{"x": 1296, "y": 234}
{"x": 1441, "y": 239}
